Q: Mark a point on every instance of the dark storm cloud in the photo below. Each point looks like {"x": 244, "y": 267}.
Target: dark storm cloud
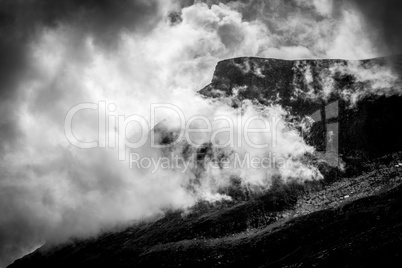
{"x": 104, "y": 20}
{"x": 261, "y": 9}
{"x": 276, "y": 15}
{"x": 22, "y": 21}
{"x": 385, "y": 18}
{"x": 21, "y": 24}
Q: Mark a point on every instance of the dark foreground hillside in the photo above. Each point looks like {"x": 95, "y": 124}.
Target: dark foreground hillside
{"x": 354, "y": 222}
{"x": 352, "y": 218}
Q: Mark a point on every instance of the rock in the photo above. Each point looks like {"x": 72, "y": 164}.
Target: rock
{"x": 370, "y": 126}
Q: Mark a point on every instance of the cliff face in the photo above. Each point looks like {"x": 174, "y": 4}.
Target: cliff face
{"x": 266, "y": 80}
{"x": 349, "y": 98}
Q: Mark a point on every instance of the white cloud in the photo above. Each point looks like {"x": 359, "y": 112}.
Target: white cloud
{"x": 53, "y": 190}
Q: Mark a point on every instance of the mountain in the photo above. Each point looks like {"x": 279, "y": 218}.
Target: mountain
{"x": 368, "y": 124}
{"x": 352, "y": 218}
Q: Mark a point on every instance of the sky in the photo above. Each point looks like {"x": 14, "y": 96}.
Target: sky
{"x": 131, "y": 53}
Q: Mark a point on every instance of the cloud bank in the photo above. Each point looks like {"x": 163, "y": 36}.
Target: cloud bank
{"x": 55, "y": 55}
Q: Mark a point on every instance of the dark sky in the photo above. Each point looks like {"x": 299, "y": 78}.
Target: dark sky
{"x": 384, "y": 17}
{"x": 21, "y": 23}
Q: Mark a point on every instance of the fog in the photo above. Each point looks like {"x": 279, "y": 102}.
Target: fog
{"x": 133, "y": 54}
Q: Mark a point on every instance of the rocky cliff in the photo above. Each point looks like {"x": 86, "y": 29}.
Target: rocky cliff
{"x": 360, "y": 100}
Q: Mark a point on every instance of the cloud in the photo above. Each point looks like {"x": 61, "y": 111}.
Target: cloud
{"x": 36, "y": 192}
{"x": 130, "y": 53}
{"x": 22, "y": 23}
{"x": 383, "y": 18}
{"x": 322, "y": 7}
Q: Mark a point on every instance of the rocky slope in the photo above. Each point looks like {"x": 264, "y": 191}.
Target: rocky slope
{"x": 354, "y": 221}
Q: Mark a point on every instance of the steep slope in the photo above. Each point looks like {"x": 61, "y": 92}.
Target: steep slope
{"x": 364, "y": 233}
{"x": 353, "y": 218}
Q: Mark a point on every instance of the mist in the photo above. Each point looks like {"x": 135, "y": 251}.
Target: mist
{"x": 133, "y": 54}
